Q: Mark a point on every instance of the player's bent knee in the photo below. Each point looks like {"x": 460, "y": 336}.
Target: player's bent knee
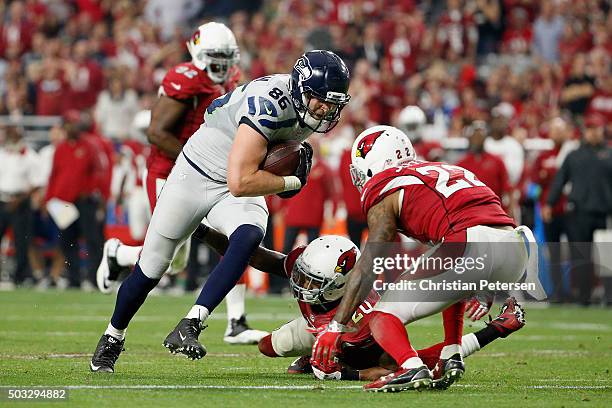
{"x": 248, "y": 235}
{"x": 266, "y": 348}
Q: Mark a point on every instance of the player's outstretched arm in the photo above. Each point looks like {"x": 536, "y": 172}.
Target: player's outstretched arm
{"x": 263, "y": 259}
{"x": 164, "y": 116}
{"x": 244, "y": 177}
{"x": 382, "y": 225}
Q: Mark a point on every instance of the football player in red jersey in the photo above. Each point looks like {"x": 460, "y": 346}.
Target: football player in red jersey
{"x": 317, "y": 275}
{"x": 431, "y": 202}
{"x": 184, "y": 94}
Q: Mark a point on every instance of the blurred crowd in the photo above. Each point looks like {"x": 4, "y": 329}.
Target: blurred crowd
{"x": 498, "y": 73}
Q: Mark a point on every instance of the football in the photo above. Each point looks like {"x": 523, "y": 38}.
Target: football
{"x": 282, "y": 159}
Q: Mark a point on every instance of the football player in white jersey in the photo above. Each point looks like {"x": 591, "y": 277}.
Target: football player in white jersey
{"x": 217, "y": 177}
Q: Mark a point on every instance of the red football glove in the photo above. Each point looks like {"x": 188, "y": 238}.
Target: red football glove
{"x": 478, "y": 306}
{"x": 325, "y": 347}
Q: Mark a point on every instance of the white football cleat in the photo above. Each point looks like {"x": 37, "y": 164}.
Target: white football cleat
{"x": 109, "y": 270}
{"x": 239, "y": 332}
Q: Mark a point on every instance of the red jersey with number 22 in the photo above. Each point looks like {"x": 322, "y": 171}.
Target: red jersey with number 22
{"x": 437, "y": 199}
{"x": 192, "y": 86}
{"x": 317, "y": 316}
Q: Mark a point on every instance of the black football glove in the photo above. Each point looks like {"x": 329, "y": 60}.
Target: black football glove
{"x": 303, "y": 169}
{"x": 288, "y": 194}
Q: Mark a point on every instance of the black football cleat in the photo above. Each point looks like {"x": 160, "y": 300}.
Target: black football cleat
{"x": 301, "y": 365}
{"x": 447, "y": 372}
{"x": 239, "y": 332}
{"x": 402, "y": 380}
{"x": 510, "y": 319}
{"x": 106, "y": 354}
{"x": 184, "y": 339}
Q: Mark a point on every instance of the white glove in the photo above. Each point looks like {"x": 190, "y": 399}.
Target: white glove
{"x": 321, "y": 375}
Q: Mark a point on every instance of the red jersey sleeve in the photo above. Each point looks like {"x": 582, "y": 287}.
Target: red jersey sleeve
{"x": 185, "y": 81}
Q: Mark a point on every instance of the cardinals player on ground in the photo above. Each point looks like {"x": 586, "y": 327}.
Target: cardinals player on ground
{"x": 184, "y": 94}
{"x": 317, "y": 274}
{"x": 431, "y": 202}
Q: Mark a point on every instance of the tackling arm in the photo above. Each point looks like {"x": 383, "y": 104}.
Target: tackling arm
{"x": 164, "y": 116}
{"x": 382, "y": 227}
{"x": 263, "y": 259}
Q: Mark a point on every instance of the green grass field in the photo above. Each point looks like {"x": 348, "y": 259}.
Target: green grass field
{"x": 562, "y": 358}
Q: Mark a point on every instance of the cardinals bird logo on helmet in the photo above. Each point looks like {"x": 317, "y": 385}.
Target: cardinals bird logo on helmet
{"x": 365, "y": 145}
{"x": 346, "y": 261}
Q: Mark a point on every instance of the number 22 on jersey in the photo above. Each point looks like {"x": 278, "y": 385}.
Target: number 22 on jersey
{"x": 461, "y": 178}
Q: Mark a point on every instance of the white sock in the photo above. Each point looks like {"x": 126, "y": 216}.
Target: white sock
{"x": 128, "y": 255}
{"x": 116, "y": 333}
{"x": 412, "y": 362}
{"x": 469, "y": 344}
{"x": 198, "y": 312}
{"x": 235, "y": 302}
{"x": 448, "y": 351}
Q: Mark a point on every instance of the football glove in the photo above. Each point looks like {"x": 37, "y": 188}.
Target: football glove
{"x": 302, "y": 171}
{"x": 331, "y": 373}
{"x": 478, "y": 306}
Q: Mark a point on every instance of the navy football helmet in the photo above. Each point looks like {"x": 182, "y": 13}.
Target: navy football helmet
{"x": 323, "y": 75}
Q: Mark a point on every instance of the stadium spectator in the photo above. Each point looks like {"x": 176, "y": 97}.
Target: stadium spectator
{"x": 84, "y": 77}
{"x": 51, "y": 88}
{"x": 578, "y": 87}
{"x": 487, "y": 167}
{"x": 115, "y": 110}
{"x": 73, "y": 180}
{"x": 19, "y": 179}
{"x": 488, "y": 17}
{"x": 518, "y": 36}
{"x": 589, "y": 170}
{"x": 17, "y": 30}
{"x": 505, "y": 146}
{"x": 601, "y": 101}
{"x": 371, "y": 48}
{"x": 544, "y": 170}
{"x": 547, "y": 31}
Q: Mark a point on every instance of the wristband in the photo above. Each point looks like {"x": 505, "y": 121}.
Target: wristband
{"x": 292, "y": 183}
{"x": 336, "y": 327}
{"x": 348, "y": 374}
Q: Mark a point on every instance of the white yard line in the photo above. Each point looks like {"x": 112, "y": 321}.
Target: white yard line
{"x": 266, "y": 317}
{"x": 281, "y": 387}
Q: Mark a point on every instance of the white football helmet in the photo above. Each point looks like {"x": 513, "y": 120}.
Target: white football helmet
{"x": 214, "y": 50}
{"x": 411, "y": 120}
{"x": 320, "y": 272}
{"x": 376, "y": 149}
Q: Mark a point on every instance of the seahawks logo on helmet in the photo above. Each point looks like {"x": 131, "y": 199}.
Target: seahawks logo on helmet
{"x": 303, "y": 67}
{"x": 346, "y": 261}
{"x": 366, "y": 144}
